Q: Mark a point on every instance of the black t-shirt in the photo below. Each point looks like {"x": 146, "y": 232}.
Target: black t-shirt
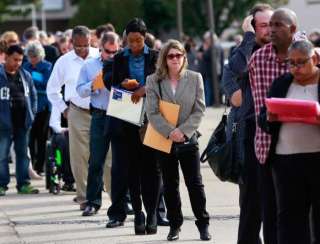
{"x": 17, "y": 100}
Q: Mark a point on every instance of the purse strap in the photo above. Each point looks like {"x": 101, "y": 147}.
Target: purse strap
{"x": 160, "y": 90}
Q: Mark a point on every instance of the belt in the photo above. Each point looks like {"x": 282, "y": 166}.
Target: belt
{"x": 79, "y": 108}
{"x": 97, "y": 111}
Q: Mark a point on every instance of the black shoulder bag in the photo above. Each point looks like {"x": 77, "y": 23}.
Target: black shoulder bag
{"x": 221, "y": 152}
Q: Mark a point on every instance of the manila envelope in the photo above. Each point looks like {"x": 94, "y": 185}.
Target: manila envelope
{"x": 98, "y": 82}
{"x": 153, "y": 138}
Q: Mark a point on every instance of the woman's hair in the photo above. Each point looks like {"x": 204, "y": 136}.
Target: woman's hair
{"x": 303, "y": 46}
{"x": 3, "y": 46}
{"x": 35, "y": 49}
{"x": 8, "y": 36}
{"x": 162, "y": 68}
{"x": 136, "y": 25}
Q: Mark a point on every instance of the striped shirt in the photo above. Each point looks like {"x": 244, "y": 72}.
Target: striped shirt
{"x": 264, "y": 68}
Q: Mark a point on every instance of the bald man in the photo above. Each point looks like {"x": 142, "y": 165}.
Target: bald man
{"x": 265, "y": 65}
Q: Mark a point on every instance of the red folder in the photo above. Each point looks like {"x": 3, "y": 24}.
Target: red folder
{"x": 294, "y": 110}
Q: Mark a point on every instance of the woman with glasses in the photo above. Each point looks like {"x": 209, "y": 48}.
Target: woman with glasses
{"x": 295, "y": 147}
{"x": 185, "y": 88}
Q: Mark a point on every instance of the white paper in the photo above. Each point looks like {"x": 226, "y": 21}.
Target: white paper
{"x": 120, "y": 106}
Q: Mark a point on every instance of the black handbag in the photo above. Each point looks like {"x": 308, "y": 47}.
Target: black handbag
{"x": 220, "y": 153}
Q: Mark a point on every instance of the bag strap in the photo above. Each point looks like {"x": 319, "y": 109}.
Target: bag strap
{"x": 160, "y": 90}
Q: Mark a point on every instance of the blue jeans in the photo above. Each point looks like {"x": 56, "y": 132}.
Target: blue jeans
{"x": 99, "y": 146}
{"x": 208, "y": 92}
{"x": 20, "y": 137}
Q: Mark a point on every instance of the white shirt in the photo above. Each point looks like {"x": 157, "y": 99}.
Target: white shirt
{"x": 299, "y": 137}
{"x": 65, "y": 72}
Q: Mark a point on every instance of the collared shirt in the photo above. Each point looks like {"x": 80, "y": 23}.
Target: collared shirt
{"x": 136, "y": 64}
{"x": 65, "y": 72}
{"x": 264, "y": 68}
{"x": 89, "y": 71}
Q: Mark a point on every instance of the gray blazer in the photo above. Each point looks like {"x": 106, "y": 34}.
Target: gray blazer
{"x": 189, "y": 95}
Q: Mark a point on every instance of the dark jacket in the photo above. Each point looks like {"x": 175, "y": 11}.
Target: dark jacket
{"x": 120, "y": 69}
{"x": 30, "y": 96}
{"x": 235, "y": 77}
{"x": 279, "y": 89}
{"x": 107, "y": 73}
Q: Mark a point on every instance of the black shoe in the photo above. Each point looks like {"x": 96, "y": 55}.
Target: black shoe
{"x": 68, "y": 187}
{"x": 204, "y": 233}
{"x": 139, "y": 223}
{"x": 129, "y": 209}
{"x": 151, "y": 226}
{"x": 83, "y": 206}
{"x": 90, "y": 210}
{"x": 112, "y": 223}
{"x": 162, "y": 221}
{"x": 173, "y": 234}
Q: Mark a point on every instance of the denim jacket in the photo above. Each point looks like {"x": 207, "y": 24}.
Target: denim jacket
{"x": 5, "y": 104}
{"x": 235, "y": 76}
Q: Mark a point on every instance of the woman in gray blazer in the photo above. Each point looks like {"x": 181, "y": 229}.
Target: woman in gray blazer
{"x": 172, "y": 82}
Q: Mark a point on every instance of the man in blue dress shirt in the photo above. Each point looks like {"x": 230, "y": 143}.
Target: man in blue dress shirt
{"x": 90, "y": 84}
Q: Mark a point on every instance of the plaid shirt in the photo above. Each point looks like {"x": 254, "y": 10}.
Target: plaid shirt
{"x": 264, "y": 68}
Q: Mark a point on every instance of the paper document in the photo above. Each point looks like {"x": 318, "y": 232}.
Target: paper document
{"x": 153, "y": 138}
{"x": 120, "y": 106}
{"x": 98, "y": 82}
{"x": 294, "y": 110}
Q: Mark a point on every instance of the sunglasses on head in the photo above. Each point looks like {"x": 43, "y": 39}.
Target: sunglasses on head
{"x": 172, "y": 56}
{"x": 106, "y": 50}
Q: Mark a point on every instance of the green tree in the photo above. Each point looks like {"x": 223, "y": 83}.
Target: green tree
{"x": 6, "y": 11}
{"x": 160, "y": 15}
{"x": 98, "y": 12}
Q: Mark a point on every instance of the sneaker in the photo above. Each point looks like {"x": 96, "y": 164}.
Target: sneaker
{"x": 28, "y": 189}
{"x": 2, "y": 191}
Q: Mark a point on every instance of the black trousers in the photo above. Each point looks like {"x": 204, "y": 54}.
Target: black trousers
{"x": 190, "y": 166}
{"x": 257, "y": 198}
{"x": 144, "y": 172}
{"x": 38, "y": 139}
{"x": 315, "y": 224}
{"x": 297, "y": 183}
{"x": 269, "y": 207}
{"x": 250, "y": 193}
{"x": 138, "y": 170}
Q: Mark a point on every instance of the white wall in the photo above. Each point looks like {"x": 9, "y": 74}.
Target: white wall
{"x": 308, "y": 13}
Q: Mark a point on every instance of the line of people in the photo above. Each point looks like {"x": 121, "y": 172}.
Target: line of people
{"x": 280, "y": 190}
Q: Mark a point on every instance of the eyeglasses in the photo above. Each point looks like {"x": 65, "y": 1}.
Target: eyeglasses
{"x": 298, "y": 64}
{"x": 81, "y": 47}
{"x": 172, "y": 56}
{"x": 106, "y": 50}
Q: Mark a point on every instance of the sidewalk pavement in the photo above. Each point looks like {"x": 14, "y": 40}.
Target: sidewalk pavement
{"x": 47, "y": 218}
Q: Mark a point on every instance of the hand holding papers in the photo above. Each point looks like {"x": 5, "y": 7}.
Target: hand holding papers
{"x": 153, "y": 138}
{"x": 98, "y": 82}
{"x": 120, "y": 106}
{"x": 294, "y": 110}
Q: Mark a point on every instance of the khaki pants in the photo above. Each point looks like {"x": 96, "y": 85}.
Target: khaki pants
{"x": 79, "y": 129}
